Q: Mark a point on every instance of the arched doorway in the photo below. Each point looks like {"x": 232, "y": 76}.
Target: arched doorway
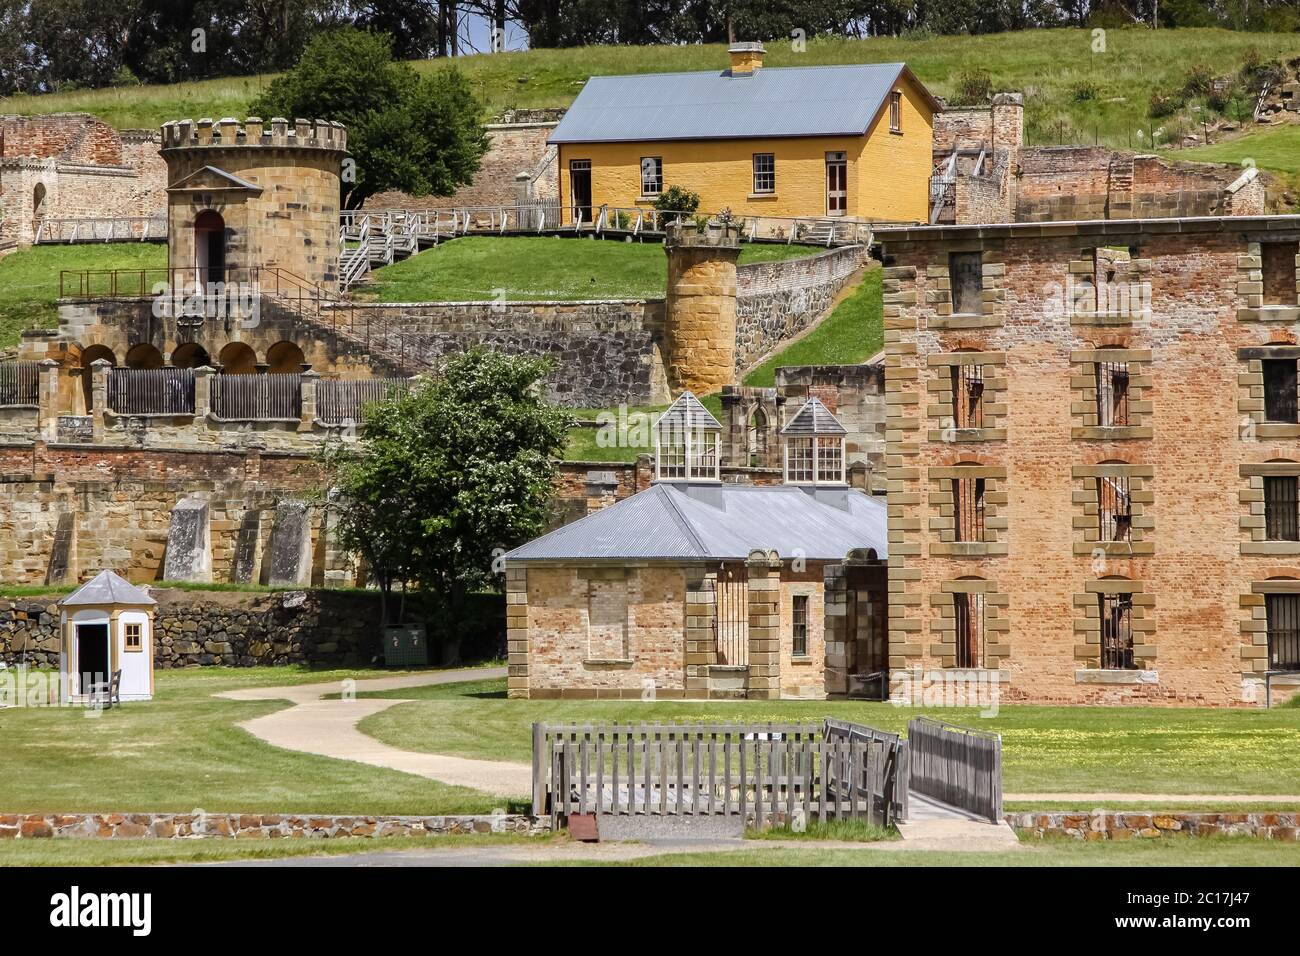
{"x": 144, "y": 355}
{"x": 89, "y": 356}
{"x": 284, "y": 357}
{"x": 38, "y": 207}
{"x": 190, "y": 355}
{"x": 237, "y": 359}
{"x": 210, "y": 247}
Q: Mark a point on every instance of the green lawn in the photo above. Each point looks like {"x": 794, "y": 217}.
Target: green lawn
{"x": 1276, "y": 149}
{"x": 181, "y": 751}
{"x": 1051, "y": 65}
{"x": 520, "y": 268}
{"x": 1045, "y": 749}
{"x": 29, "y": 279}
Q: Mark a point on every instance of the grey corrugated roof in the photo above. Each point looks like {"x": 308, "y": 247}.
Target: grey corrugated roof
{"x": 688, "y": 414}
{"x": 791, "y": 101}
{"x": 814, "y": 419}
{"x": 719, "y": 522}
{"x": 107, "y": 588}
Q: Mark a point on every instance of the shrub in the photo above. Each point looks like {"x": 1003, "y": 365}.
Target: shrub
{"x": 678, "y": 199}
{"x": 1199, "y": 81}
{"x": 973, "y": 87}
{"x": 1085, "y": 91}
{"x": 1164, "y": 104}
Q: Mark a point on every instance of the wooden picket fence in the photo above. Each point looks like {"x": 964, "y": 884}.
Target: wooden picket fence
{"x": 151, "y": 391}
{"x": 342, "y": 401}
{"x": 275, "y": 396}
{"x": 19, "y": 384}
{"x": 760, "y": 773}
{"x": 959, "y": 766}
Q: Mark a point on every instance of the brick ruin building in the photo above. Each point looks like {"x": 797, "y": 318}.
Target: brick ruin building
{"x": 72, "y": 166}
{"x": 1093, "y": 457}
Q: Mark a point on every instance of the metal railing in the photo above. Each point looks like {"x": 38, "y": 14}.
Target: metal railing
{"x": 19, "y": 384}
{"x": 102, "y": 229}
{"x": 274, "y": 396}
{"x": 760, "y": 773}
{"x": 959, "y": 766}
{"x": 152, "y": 391}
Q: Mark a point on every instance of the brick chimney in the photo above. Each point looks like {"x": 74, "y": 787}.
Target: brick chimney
{"x": 746, "y": 58}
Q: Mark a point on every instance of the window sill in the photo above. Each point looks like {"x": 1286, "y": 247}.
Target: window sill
{"x": 1116, "y": 549}
{"x": 758, "y": 197}
{"x": 1270, "y": 547}
{"x": 1097, "y": 675}
{"x": 801, "y": 659}
{"x": 964, "y": 320}
{"x": 969, "y": 549}
{"x": 1277, "y": 430}
{"x": 895, "y": 132}
{"x": 1111, "y": 432}
{"x": 1270, "y": 313}
{"x": 968, "y": 435}
{"x": 607, "y": 662}
{"x": 647, "y": 199}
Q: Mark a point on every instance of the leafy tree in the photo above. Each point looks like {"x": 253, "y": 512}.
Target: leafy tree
{"x": 677, "y": 199}
{"x": 421, "y": 135}
{"x": 447, "y": 473}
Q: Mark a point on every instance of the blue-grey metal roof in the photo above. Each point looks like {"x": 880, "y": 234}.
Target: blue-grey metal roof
{"x": 106, "y": 587}
{"x": 712, "y": 521}
{"x": 687, "y": 414}
{"x": 774, "y": 101}
{"x": 814, "y": 419}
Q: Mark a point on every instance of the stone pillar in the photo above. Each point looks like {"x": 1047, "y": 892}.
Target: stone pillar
{"x": 310, "y": 379}
{"x": 1008, "y": 113}
{"x": 99, "y": 370}
{"x": 517, "y": 632}
{"x": 836, "y": 629}
{"x": 764, "y": 626}
{"x": 701, "y": 598}
{"x": 203, "y": 391}
{"x": 47, "y": 400}
{"x": 700, "y": 324}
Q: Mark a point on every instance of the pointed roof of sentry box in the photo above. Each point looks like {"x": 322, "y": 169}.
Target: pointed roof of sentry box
{"x": 106, "y": 587}
{"x": 687, "y": 414}
{"x": 814, "y": 419}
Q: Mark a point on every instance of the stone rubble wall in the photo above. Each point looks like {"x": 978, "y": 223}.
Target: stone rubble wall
{"x": 1106, "y": 825}
{"x": 257, "y": 826}
{"x": 775, "y": 301}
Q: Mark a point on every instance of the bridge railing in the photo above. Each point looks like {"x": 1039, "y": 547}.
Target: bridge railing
{"x": 960, "y": 766}
{"x": 102, "y": 229}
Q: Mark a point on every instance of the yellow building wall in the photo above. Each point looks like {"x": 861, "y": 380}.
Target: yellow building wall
{"x": 888, "y": 173}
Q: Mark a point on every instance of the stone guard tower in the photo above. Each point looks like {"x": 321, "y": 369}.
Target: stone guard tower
{"x": 700, "y": 333}
{"x": 253, "y": 194}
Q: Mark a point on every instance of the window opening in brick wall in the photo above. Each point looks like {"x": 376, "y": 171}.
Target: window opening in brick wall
{"x": 731, "y": 614}
{"x": 764, "y": 172}
{"x": 1283, "y": 612}
{"x": 968, "y": 508}
{"x": 966, "y": 277}
{"x": 1278, "y": 264}
{"x": 652, "y": 175}
{"x": 799, "y": 625}
{"x": 756, "y": 439}
{"x": 968, "y": 612}
{"x": 1114, "y": 510}
{"x": 1116, "y": 631}
{"x": 1280, "y": 518}
{"x": 1112, "y": 394}
{"x": 1279, "y": 390}
{"x": 968, "y": 396}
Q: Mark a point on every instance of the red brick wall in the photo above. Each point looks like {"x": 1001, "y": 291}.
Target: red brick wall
{"x": 71, "y": 137}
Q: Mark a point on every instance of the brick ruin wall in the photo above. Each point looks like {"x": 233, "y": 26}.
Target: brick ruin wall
{"x": 1197, "y": 575}
{"x": 86, "y": 168}
{"x": 775, "y": 301}
{"x": 516, "y": 146}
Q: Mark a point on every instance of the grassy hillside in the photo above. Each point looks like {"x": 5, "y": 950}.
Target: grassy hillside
{"x": 519, "y": 268}
{"x": 1050, "y": 66}
{"x": 1276, "y": 149}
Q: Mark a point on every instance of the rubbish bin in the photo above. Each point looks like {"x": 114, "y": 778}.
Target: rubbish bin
{"x": 405, "y": 645}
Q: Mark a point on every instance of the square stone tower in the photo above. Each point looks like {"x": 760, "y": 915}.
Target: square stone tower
{"x": 248, "y": 195}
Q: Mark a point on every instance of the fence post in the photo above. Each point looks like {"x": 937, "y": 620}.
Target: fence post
{"x": 310, "y": 379}
{"x": 47, "y": 400}
{"x": 539, "y": 769}
{"x": 203, "y": 391}
{"x": 99, "y": 370}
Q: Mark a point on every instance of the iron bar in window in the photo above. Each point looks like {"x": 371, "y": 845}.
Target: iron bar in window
{"x": 968, "y": 396}
{"x": 1280, "y": 518}
{"x": 1114, "y": 510}
{"x": 968, "y": 611}
{"x": 968, "y": 508}
{"x": 1116, "y": 631}
{"x": 731, "y": 614}
{"x": 1283, "y": 612}
{"x": 1112, "y": 394}
{"x": 1279, "y": 390}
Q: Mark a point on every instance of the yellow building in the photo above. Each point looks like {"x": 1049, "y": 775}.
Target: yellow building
{"x": 851, "y": 141}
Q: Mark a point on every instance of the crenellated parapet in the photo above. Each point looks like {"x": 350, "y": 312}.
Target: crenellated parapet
{"x": 278, "y": 132}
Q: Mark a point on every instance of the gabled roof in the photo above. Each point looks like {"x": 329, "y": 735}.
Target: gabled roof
{"x": 814, "y": 419}
{"x": 789, "y": 101}
{"x": 212, "y": 179}
{"x": 107, "y": 587}
{"x": 700, "y": 522}
{"x": 687, "y": 414}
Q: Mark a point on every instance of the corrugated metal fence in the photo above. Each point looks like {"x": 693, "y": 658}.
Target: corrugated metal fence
{"x": 275, "y": 396}
{"x": 151, "y": 391}
{"x": 19, "y": 383}
{"x": 341, "y": 402}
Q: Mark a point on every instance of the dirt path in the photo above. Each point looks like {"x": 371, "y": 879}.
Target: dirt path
{"x": 329, "y": 728}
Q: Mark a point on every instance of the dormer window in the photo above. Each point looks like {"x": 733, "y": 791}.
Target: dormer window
{"x": 688, "y": 440}
{"x": 814, "y": 447}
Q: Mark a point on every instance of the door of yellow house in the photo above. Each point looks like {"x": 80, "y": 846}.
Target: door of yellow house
{"x": 580, "y": 189}
{"x": 837, "y": 184}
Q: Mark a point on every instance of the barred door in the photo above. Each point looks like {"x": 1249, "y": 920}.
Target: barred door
{"x": 731, "y": 614}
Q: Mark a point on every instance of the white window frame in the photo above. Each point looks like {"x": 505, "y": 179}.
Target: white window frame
{"x": 658, "y": 181}
{"x": 702, "y": 455}
{"x": 819, "y": 477}
{"x": 770, "y": 172}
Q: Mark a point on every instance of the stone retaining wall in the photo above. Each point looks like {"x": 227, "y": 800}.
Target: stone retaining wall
{"x": 1108, "y": 825}
{"x": 255, "y": 826}
{"x": 777, "y": 300}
